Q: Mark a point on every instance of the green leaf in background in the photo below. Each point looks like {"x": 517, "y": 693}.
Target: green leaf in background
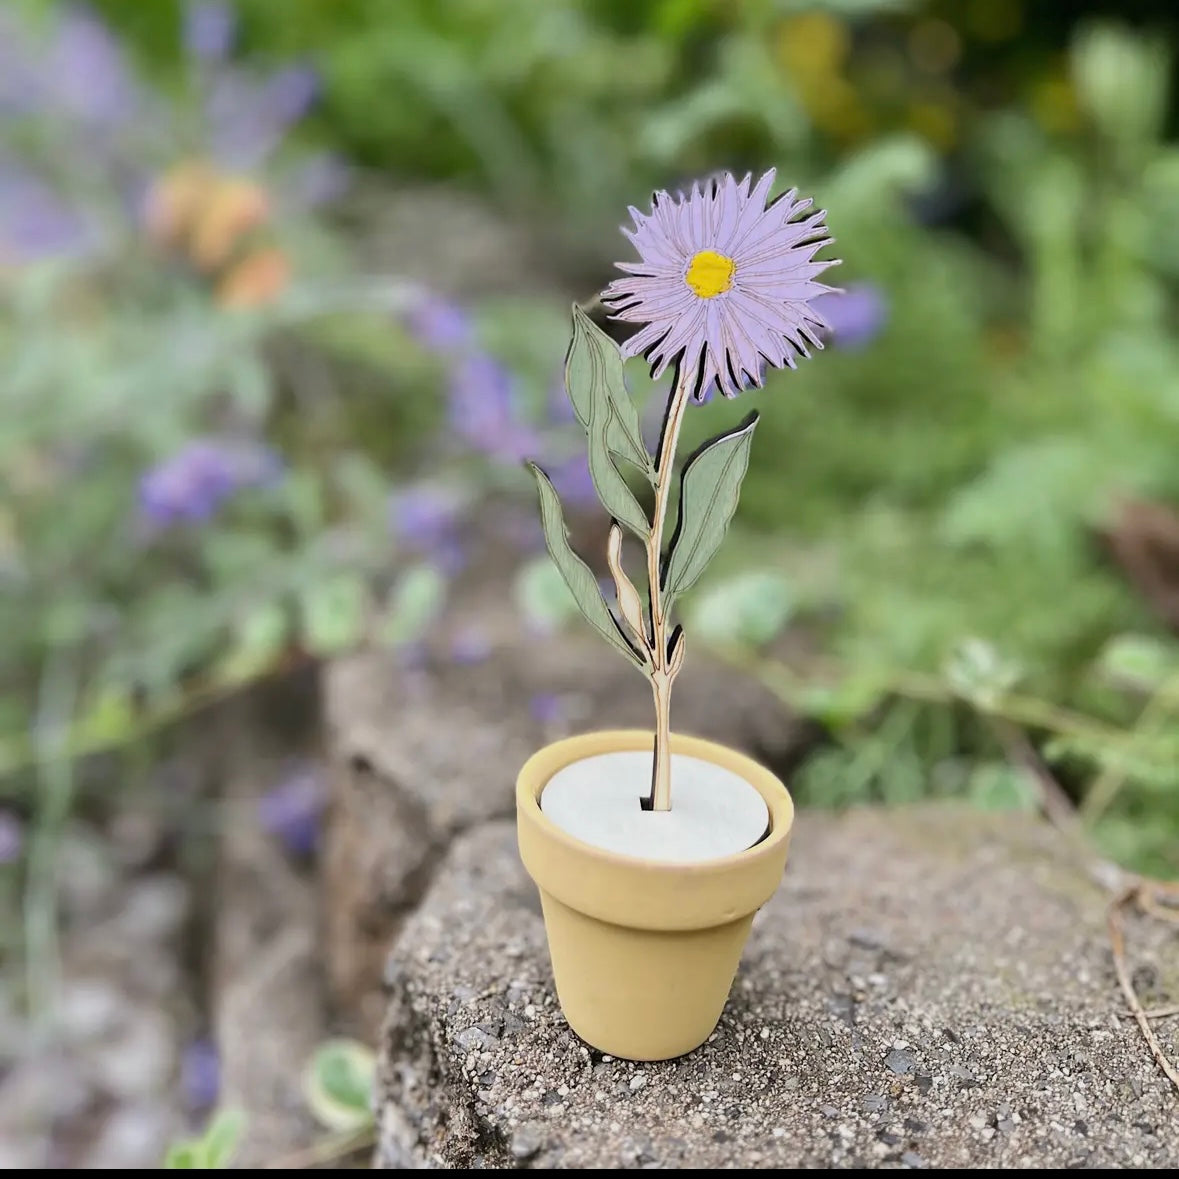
{"x": 1141, "y": 663}
{"x": 593, "y": 373}
{"x": 616, "y": 496}
{"x": 259, "y": 639}
{"x": 577, "y": 574}
{"x": 338, "y": 1085}
{"x": 413, "y": 603}
{"x": 978, "y": 673}
{"x": 709, "y": 489}
{"x": 214, "y": 1149}
{"x": 748, "y": 609}
{"x": 543, "y": 595}
{"x": 996, "y": 786}
{"x": 334, "y": 614}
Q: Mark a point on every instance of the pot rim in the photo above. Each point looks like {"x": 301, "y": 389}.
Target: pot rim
{"x": 642, "y": 893}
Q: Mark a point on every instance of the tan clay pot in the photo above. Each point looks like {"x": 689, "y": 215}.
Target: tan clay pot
{"x": 644, "y": 953}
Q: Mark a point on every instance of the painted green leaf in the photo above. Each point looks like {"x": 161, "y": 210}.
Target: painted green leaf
{"x": 616, "y": 496}
{"x": 338, "y": 1084}
{"x": 709, "y": 489}
{"x": 577, "y": 574}
{"x": 593, "y": 371}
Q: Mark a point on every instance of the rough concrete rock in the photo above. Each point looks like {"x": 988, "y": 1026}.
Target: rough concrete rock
{"x": 421, "y": 753}
{"x": 929, "y": 988}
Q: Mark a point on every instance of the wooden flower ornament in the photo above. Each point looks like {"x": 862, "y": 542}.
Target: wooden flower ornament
{"x": 725, "y": 287}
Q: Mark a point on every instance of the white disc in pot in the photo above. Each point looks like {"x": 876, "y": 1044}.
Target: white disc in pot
{"x": 714, "y": 812}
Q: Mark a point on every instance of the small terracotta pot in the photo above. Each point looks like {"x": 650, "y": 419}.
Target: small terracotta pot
{"x": 644, "y": 953}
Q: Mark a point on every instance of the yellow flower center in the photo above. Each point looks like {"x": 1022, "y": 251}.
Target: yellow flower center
{"x": 710, "y": 274}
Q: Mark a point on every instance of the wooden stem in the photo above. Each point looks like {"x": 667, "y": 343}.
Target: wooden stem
{"x": 662, "y": 675}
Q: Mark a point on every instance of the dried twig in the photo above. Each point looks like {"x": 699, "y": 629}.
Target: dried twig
{"x": 327, "y": 1150}
{"x": 1152, "y": 1012}
{"x": 1117, "y": 943}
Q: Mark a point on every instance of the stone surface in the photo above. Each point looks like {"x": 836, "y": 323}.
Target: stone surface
{"x": 929, "y": 988}
{"x": 420, "y": 753}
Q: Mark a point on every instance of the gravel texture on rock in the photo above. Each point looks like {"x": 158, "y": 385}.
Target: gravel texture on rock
{"x": 929, "y": 988}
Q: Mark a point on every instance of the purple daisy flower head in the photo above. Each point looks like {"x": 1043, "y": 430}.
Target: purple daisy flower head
{"x": 857, "y": 315}
{"x": 726, "y": 283}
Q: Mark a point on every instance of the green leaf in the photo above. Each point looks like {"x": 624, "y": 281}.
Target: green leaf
{"x": 996, "y": 786}
{"x": 709, "y": 489}
{"x": 258, "y": 641}
{"x": 577, "y": 574}
{"x": 338, "y": 1085}
{"x": 214, "y": 1149}
{"x": 543, "y": 595}
{"x": 413, "y": 603}
{"x": 593, "y": 372}
{"x": 184, "y": 1156}
{"x": 616, "y": 496}
{"x": 748, "y": 609}
{"x": 334, "y": 614}
{"x": 222, "y": 1136}
{"x": 1140, "y": 662}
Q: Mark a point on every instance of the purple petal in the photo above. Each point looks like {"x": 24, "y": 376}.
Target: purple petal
{"x": 12, "y": 837}
{"x": 572, "y": 481}
{"x": 35, "y": 223}
{"x": 440, "y": 325}
{"x": 546, "y": 708}
{"x": 483, "y": 410}
{"x": 192, "y": 484}
{"x": 856, "y": 316}
{"x": 248, "y": 121}
{"x": 291, "y": 810}
{"x": 425, "y": 517}
{"x": 200, "y": 1075}
{"x": 470, "y": 645}
{"x": 209, "y": 29}
{"x": 87, "y": 72}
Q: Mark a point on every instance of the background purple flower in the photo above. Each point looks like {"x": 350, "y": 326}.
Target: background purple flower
{"x": 247, "y": 120}
{"x": 292, "y": 809}
{"x": 209, "y": 29}
{"x": 200, "y": 1075}
{"x": 191, "y": 485}
{"x": 12, "y": 837}
{"x": 572, "y": 481}
{"x": 439, "y": 324}
{"x": 470, "y": 645}
{"x": 427, "y": 519}
{"x": 857, "y": 315}
{"x": 484, "y": 412}
{"x": 34, "y": 222}
{"x": 86, "y": 71}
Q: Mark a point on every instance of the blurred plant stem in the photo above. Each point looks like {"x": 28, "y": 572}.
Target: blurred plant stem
{"x": 1008, "y": 708}
{"x": 55, "y": 779}
{"x": 1106, "y": 786}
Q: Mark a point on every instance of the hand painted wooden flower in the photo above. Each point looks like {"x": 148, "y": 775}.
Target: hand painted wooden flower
{"x": 726, "y": 287}
{"x": 725, "y": 283}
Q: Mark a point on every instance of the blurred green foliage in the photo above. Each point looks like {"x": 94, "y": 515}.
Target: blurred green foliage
{"x": 1012, "y": 200}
